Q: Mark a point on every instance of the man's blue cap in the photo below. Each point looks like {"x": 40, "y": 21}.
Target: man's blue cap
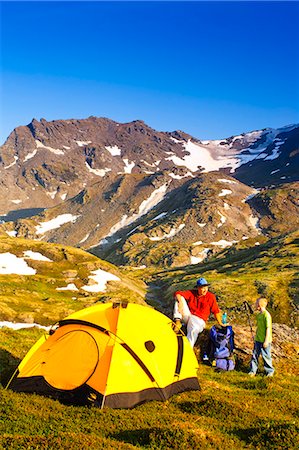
{"x": 202, "y": 282}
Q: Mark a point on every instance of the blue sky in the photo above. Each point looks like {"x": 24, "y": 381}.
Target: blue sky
{"x": 211, "y": 69}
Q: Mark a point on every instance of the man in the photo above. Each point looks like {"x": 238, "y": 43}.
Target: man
{"x": 193, "y": 307}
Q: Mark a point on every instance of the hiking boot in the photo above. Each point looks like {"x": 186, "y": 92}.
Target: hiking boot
{"x": 251, "y": 374}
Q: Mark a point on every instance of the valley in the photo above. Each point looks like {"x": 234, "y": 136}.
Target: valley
{"x": 114, "y": 212}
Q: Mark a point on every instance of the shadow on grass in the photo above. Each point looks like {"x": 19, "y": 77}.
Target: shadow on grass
{"x": 163, "y": 437}
{"x": 260, "y": 382}
{"x": 275, "y": 435}
{"x": 135, "y": 437}
{"x": 242, "y": 365}
{"x": 8, "y": 365}
{"x": 213, "y": 408}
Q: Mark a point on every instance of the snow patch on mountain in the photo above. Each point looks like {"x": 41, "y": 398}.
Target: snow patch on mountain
{"x": 175, "y": 140}
{"x": 12, "y": 264}
{"x": 200, "y": 257}
{"x": 156, "y": 197}
{"x": 222, "y": 219}
{"x": 98, "y": 172}
{"x": 132, "y": 231}
{"x": 198, "y": 156}
{"x": 85, "y": 238}
{"x": 169, "y": 235}
{"x": 250, "y": 147}
{"x": 19, "y": 325}
{"x": 196, "y": 259}
{"x": 250, "y": 196}
{"x": 30, "y": 155}
{"x": 44, "y": 227}
{"x": 159, "y": 216}
{"x": 13, "y": 163}
{"x": 269, "y": 137}
{"x": 254, "y": 222}
{"x": 12, "y": 233}
{"x": 223, "y": 243}
{"x": 147, "y": 163}
{"x": 56, "y": 151}
{"x": 275, "y": 152}
{"x": 229, "y": 143}
{"x": 224, "y": 180}
{"x": 36, "y": 256}
{"x": 83, "y": 143}
{"x": 225, "y": 192}
{"x": 128, "y": 166}
{"x": 114, "y": 150}
{"x": 52, "y": 194}
{"x": 100, "y": 278}
{"x": 180, "y": 177}
{"x": 69, "y": 287}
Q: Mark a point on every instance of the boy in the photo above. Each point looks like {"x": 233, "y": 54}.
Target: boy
{"x": 263, "y": 339}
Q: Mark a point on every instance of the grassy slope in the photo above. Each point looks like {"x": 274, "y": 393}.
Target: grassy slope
{"x": 231, "y": 411}
{"x": 242, "y": 274}
{"x": 34, "y": 298}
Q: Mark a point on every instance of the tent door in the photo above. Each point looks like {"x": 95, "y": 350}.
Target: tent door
{"x": 71, "y": 361}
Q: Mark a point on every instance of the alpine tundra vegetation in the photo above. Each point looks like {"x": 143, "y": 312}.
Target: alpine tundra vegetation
{"x": 93, "y": 212}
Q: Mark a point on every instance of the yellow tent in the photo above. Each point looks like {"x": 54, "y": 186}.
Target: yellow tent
{"x": 116, "y": 355}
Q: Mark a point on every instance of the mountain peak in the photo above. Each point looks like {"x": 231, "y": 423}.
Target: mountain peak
{"x": 55, "y": 160}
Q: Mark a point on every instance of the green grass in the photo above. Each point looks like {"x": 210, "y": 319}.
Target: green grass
{"x": 35, "y": 298}
{"x": 238, "y": 275}
{"x": 231, "y": 411}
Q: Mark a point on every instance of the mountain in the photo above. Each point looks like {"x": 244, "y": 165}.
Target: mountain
{"x": 134, "y": 195}
{"x": 261, "y": 158}
{"x": 44, "y": 163}
{"x": 133, "y": 218}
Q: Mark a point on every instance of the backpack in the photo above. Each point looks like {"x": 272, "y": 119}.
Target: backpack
{"x": 221, "y": 347}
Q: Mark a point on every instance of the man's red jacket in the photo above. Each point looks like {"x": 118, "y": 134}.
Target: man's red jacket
{"x": 200, "y": 305}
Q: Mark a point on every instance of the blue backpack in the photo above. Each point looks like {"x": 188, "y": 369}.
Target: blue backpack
{"x": 221, "y": 347}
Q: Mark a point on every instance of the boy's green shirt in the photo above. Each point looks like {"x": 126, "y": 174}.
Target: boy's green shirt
{"x": 264, "y": 321}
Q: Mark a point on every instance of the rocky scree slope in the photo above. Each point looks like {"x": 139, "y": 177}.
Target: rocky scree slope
{"x": 44, "y": 163}
{"x": 136, "y": 196}
{"x": 149, "y": 219}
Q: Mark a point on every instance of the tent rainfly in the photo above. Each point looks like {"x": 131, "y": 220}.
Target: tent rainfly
{"x": 114, "y": 355}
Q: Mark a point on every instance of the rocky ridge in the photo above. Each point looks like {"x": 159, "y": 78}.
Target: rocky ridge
{"x": 134, "y": 195}
{"x": 44, "y": 163}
